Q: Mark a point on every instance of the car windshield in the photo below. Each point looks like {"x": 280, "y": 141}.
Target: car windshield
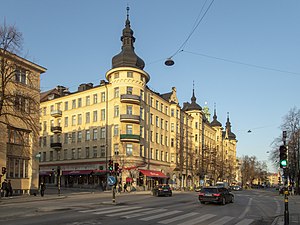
{"x": 209, "y": 190}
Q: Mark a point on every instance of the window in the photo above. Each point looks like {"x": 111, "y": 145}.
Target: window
{"x": 66, "y": 106}
{"x": 79, "y": 119}
{"x": 79, "y": 102}
{"x": 128, "y": 149}
{"x": 166, "y": 125}
{"x": 129, "y": 129}
{"x": 17, "y": 136}
{"x": 51, "y": 108}
{"x": 130, "y": 74}
{"x": 116, "y": 111}
{"x": 95, "y": 98}
{"x": 116, "y": 130}
{"x": 45, "y": 111}
{"x": 44, "y": 158}
{"x": 73, "y": 120}
{"x": 161, "y": 139}
{"x": 95, "y": 133}
{"x": 87, "y": 117}
{"x": 167, "y": 109}
{"x": 66, "y": 138}
{"x": 21, "y": 75}
{"x": 73, "y": 104}
{"x": 116, "y": 92}
{"x": 129, "y": 91}
{"x": 95, "y": 152}
{"x": 172, "y": 112}
{"x": 66, "y": 123}
{"x": 129, "y": 110}
{"x": 151, "y": 101}
{"x": 51, "y": 123}
{"x": 196, "y": 125}
{"x": 116, "y": 75}
{"x": 172, "y": 142}
{"x": 102, "y": 114}
{"x": 151, "y": 136}
{"x": 17, "y": 167}
{"x": 73, "y": 153}
{"x": 162, "y": 156}
{"x": 172, "y": 127}
{"x": 22, "y": 103}
{"x": 51, "y": 139}
{"x": 65, "y": 153}
{"x": 166, "y": 141}
{"x": 102, "y": 151}
{"x": 79, "y": 153}
{"x": 172, "y": 158}
{"x": 87, "y": 100}
{"x": 151, "y": 119}
{"x": 142, "y": 113}
{"x": 95, "y": 115}
{"x": 156, "y": 154}
{"x": 142, "y": 95}
{"x": 196, "y": 137}
{"x": 102, "y": 96}
{"x": 73, "y": 137}
{"x": 162, "y": 123}
{"x": 151, "y": 153}
{"x": 156, "y": 138}
{"x": 161, "y": 107}
{"x": 102, "y": 133}
{"x": 141, "y": 151}
{"x": 116, "y": 149}
{"x": 87, "y": 135}
{"x": 79, "y": 136}
{"x": 157, "y": 121}
{"x": 87, "y": 152}
{"x": 156, "y": 106}
{"x": 58, "y": 155}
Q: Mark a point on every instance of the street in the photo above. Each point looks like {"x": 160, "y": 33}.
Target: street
{"x": 255, "y": 207}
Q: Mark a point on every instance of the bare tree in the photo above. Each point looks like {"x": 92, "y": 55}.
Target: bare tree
{"x": 19, "y": 92}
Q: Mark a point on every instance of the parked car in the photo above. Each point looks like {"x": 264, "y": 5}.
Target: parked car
{"x": 215, "y": 194}
{"x": 162, "y": 190}
{"x": 197, "y": 189}
{"x": 236, "y": 188}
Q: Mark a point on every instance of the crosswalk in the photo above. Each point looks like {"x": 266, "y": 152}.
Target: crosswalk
{"x": 166, "y": 216}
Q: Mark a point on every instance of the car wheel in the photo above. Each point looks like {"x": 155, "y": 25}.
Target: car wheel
{"x": 170, "y": 195}
{"x": 223, "y": 201}
{"x": 202, "y": 202}
{"x": 232, "y": 199}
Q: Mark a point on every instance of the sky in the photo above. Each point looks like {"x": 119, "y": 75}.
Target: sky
{"x": 242, "y": 56}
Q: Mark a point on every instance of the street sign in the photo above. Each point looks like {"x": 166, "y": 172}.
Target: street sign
{"x": 111, "y": 180}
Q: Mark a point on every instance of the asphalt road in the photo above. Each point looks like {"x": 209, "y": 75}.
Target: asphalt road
{"x": 255, "y": 207}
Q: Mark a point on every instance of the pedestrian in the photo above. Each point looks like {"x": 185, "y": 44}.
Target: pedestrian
{"x": 10, "y": 189}
{"x": 4, "y": 188}
{"x": 42, "y": 189}
{"x": 125, "y": 187}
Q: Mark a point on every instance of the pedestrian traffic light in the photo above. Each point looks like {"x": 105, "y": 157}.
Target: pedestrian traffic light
{"x": 3, "y": 170}
{"x": 116, "y": 167}
{"x": 110, "y": 165}
{"x": 283, "y": 156}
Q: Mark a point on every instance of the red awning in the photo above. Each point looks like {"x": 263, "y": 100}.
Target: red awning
{"x": 77, "y": 172}
{"x": 153, "y": 173}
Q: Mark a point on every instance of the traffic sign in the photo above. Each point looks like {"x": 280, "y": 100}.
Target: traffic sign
{"x": 111, "y": 180}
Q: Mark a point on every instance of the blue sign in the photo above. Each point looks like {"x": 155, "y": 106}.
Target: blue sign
{"x": 111, "y": 180}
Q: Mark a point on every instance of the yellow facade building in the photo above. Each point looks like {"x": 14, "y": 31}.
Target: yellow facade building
{"x": 120, "y": 120}
{"x": 19, "y": 119}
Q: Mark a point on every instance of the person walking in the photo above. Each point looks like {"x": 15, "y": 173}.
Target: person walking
{"x": 42, "y": 188}
{"x": 125, "y": 187}
{"x": 10, "y": 189}
{"x": 4, "y": 188}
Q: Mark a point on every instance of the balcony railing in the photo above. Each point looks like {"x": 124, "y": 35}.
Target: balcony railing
{"x": 56, "y": 113}
{"x": 130, "y": 118}
{"x": 130, "y": 137}
{"x": 56, "y": 129}
{"x": 129, "y": 98}
{"x": 56, "y": 145}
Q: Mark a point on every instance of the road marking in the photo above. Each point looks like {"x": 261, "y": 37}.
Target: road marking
{"x": 246, "y": 210}
{"x": 101, "y": 209}
{"x": 130, "y": 212}
{"x": 245, "y": 222}
{"x": 115, "y": 210}
{"x": 160, "y": 215}
{"x": 198, "y": 220}
{"x": 178, "y": 218}
{"x": 144, "y": 213}
{"x": 222, "y": 221}
{"x": 278, "y": 209}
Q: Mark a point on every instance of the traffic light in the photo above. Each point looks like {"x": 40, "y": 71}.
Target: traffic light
{"x": 111, "y": 166}
{"x": 283, "y": 156}
{"x": 116, "y": 167}
{"x": 3, "y": 170}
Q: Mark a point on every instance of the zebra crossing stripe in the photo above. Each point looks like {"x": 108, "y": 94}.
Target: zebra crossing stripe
{"x": 100, "y": 209}
{"x": 222, "y": 221}
{"x": 144, "y": 213}
{"x": 178, "y": 218}
{"x": 115, "y": 210}
{"x": 130, "y": 212}
{"x": 245, "y": 222}
{"x": 198, "y": 220}
{"x": 160, "y": 215}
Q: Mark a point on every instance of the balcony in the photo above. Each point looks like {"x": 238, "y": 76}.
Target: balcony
{"x": 56, "y": 113}
{"x": 130, "y": 118}
{"x": 56, "y": 129}
{"x": 56, "y": 145}
{"x": 130, "y": 137}
{"x": 129, "y": 98}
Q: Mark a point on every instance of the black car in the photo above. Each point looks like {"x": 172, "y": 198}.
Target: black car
{"x": 162, "y": 190}
{"x": 215, "y": 194}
